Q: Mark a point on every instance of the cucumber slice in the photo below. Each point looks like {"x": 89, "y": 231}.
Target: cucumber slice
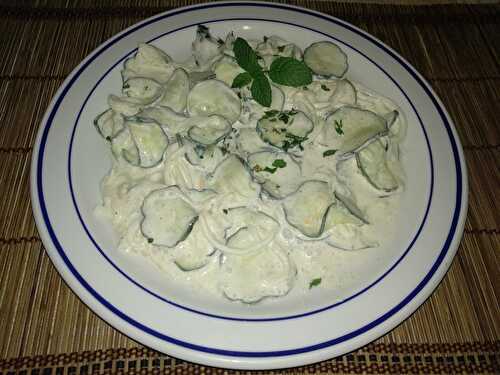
{"x": 205, "y": 47}
{"x": 252, "y": 277}
{"x": 148, "y": 62}
{"x": 176, "y": 91}
{"x": 351, "y": 206}
{"x": 171, "y": 121}
{"x": 194, "y": 252}
{"x": 146, "y": 89}
{"x": 249, "y": 230}
{"x": 231, "y": 176}
{"x": 249, "y": 142}
{"x": 326, "y": 59}
{"x": 168, "y": 217}
{"x": 344, "y": 94}
{"x": 150, "y": 140}
{"x": 226, "y": 69}
{"x": 348, "y": 237}
{"x": 127, "y": 106}
{"x": 338, "y": 214}
{"x": 123, "y": 146}
{"x": 213, "y": 97}
{"x": 306, "y": 209}
{"x": 108, "y": 124}
{"x": 277, "y": 181}
{"x": 372, "y": 163}
{"x": 349, "y": 128}
{"x": 286, "y": 130}
{"x": 209, "y": 130}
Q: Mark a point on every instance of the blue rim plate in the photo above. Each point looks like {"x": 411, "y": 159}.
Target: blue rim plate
{"x": 69, "y": 161}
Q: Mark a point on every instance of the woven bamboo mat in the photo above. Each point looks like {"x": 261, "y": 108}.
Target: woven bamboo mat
{"x": 45, "y": 329}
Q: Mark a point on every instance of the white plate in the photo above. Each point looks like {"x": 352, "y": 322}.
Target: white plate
{"x": 70, "y": 159}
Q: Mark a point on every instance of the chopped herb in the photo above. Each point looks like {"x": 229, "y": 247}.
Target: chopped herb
{"x": 279, "y": 163}
{"x": 315, "y": 282}
{"x": 293, "y": 141}
{"x": 325, "y": 88}
{"x": 273, "y": 120}
{"x": 329, "y": 153}
{"x": 270, "y": 169}
{"x": 283, "y": 117}
{"x": 292, "y": 112}
{"x": 281, "y": 48}
{"x": 265, "y": 39}
{"x": 224, "y": 150}
{"x": 338, "y": 127}
{"x": 150, "y": 240}
{"x": 225, "y": 210}
{"x": 271, "y": 113}
{"x": 305, "y": 88}
{"x": 108, "y": 138}
{"x": 239, "y": 94}
{"x": 278, "y": 186}
{"x": 220, "y": 41}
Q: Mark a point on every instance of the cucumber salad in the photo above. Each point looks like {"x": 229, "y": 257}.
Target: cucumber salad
{"x": 246, "y": 168}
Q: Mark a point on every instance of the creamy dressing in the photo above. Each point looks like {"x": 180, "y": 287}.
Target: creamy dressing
{"x": 242, "y": 244}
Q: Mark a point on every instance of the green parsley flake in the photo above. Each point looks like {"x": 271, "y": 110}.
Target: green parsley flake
{"x": 329, "y": 153}
{"x": 325, "y": 88}
{"x": 315, "y": 282}
{"x": 338, "y": 127}
{"x": 279, "y": 163}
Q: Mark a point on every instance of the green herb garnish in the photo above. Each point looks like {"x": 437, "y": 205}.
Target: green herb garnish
{"x": 279, "y": 163}
{"x": 314, "y": 282}
{"x": 338, "y": 127}
{"x": 285, "y": 71}
{"x": 270, "y": 169}
{"x": 325, "y": 88}
{"x": 225, "y": 211}
{"x": 281, "y": 48}
{"x": 329, "y": 153}
{"x": 241, "y": 80}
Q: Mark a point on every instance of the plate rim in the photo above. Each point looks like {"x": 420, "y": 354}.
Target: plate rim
{"x": 452, "y": 239}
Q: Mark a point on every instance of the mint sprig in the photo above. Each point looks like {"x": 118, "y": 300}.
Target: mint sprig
{"x": 288, "y": 71}
{"x": 285, "y": 71}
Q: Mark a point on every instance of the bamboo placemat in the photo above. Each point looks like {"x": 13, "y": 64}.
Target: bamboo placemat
{"x": 46, "y": 329}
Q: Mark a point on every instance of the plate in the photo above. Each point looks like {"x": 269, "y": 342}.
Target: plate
{"x": 70, "y": 159}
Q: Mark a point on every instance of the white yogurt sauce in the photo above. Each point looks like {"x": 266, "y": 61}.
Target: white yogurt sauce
{"x": 266, "y": 264}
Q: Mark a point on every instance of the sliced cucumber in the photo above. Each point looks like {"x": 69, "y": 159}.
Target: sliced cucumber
{"x": 226, "y": 69}
{"x": 348, "y": 237}
{"x": 195, "y": 77}
{"x": 194, "y": 252}
{"x": 277, "y": 180}
{"x": 349, "y": 128}
{"x": 205, "y": 47}
{"x": 231, "y": 176}
{"x": 351, "y": 206}
{"x": 372, "y": 163}
{"x": 252, "y": 277}
{"x": 344, "y": 94}
{"x": 171, "y": 121}
{"x": 127, "y": 106}
{"x": 146, "y": 89}
{"x": 123, "y": 146}
{"x": 168, "y": 217}
{"x": 286, "y": 130}
{"x": 209, "y": 130}
{"x": 150, "y": 140}
{"x": 176, "y": 91}
{"x": 213, "y": 97}
{"x": 250, "y": 230}
{"x": 148, "y": 62}
{"x": 108, "y": 124}
{"x": 326, "y": 59}
{"x": 306, "y": 209}
{"x": 249, "y": 142}
{"x": 338, "y": 214}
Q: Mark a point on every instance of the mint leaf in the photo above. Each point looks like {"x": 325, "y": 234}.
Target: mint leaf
{"x": 288, "y": 71}
{"x": 241, "y": 80}
{"x": 315, "y": 282}
{"x": 261, "y": 90}
{"x": 246, "y": 57}
{"x": 279, "y": 163}
{"x": 329, "y": 153}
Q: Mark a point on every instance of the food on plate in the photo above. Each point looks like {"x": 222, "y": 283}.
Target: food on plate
{"x": 231, "y": 168}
